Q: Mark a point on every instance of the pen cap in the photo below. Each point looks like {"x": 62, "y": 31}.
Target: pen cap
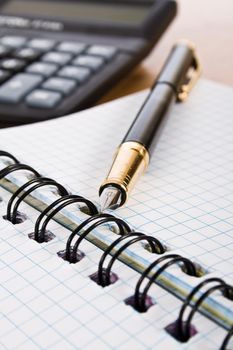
{"x": 177, "y": 65}
{"x": 175, "y": 81}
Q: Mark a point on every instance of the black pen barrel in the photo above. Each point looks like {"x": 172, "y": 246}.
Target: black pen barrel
{"x": 176, "y": 66}
{"x": 147, "y": 126}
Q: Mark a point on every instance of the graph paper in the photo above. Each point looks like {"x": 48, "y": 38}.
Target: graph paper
{"x": 185, "y": 200}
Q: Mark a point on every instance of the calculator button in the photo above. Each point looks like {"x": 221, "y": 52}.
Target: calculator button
{"x": 60, "y": 58}
{"x": 4, "y": 75}
{"x": 45, "y": 69}
{"x": 17, "y": 87}
{"x": 27, "y": 53}
{"x": 42, "y": 44}
{"x": 71, "y": 47}
{"x": 106, "y": 52}
{"x": 65, "y": 86}
{"x": 4, "y": 51}
{"x": 80, "y": 74}
{"x": 43, "y": 99}
{"x": 91, "y": 62}
{"x": 13, "y": 41}
{"x": 12, "y": 64}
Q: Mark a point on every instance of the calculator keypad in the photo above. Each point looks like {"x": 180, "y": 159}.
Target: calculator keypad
{"x": 43, "y": 72}
{"x": 65, "y": 86}
{"x": 41, "y": 44}
{"x": 27, "y": 53}
{"x": 94, "y": 63}
{"x": 74, "y": 48}
{"x": 43, "y": 99}
{"x": 80, "y": 74}
{"x": 12, "y": 64}
{"x": 4, "y": 51}
{"x": 45, "y": 69}
{"x": 107, "y": 52}
{"x": 17, "y": 87}
{"x": 4, "y": 75}
{"x": 13, "y": 41}
{"x": 60, "y": 58}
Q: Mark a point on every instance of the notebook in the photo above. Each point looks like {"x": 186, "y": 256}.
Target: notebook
{"x": 55, "y": 297}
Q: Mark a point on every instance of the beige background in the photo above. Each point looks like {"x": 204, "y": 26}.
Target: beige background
{"x": 209, "y": 24}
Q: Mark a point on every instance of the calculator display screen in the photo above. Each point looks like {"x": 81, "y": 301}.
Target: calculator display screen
{"x": 131, "y": 13}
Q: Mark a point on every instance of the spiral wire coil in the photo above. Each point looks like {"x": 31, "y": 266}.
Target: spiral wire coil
{"x": 126, "y": 238}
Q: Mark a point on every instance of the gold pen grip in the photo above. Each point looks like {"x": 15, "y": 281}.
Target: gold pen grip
{"x": 130, "y": 162}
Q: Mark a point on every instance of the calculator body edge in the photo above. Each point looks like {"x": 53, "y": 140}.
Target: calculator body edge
{"x": 132, "y": 46}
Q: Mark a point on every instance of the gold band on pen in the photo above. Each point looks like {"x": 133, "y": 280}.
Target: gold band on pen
{"x": 131, "y": 161}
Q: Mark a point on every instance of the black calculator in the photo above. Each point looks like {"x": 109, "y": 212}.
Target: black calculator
{"x": 58, "y": 57}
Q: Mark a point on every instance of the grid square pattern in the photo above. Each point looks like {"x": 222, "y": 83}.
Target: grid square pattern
{"x": 185, "y": 199}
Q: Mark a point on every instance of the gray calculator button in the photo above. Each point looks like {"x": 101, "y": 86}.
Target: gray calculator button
{"x": 12, "y": 64}
{"x": 43, "y": 99}
{"x": 106, "y": 52}
{"x": 71, "y": 47}
{"x": 57, "y": 57}
{"x": 42, "y": 44}
{"x": 17, "y": 87}
{"x": 65, "y": 86}
{"x": 27, "y": 53}
{"x": 80, "y": 74}
{"x": 45, "y": 69}
{"x": 91, "y": 62}
{"x": 13, "y": 41}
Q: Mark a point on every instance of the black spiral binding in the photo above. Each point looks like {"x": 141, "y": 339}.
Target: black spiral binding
{"x": 54, "y": 208}
{"x": 72, "y": 252}
{"x": 140, "y": 298}
{"x": 15, "y": 167}
{"x": 103, "y": 276}
{"x": 8, "y": 155}
{"x": 22, "y": 193}
{"x": 181, "y": 330}
{"x": 227, "y": 339}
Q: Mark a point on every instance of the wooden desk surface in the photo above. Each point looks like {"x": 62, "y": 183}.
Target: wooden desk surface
{"x": 209, "y": 25}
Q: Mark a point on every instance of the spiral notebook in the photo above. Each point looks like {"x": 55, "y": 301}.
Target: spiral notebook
{"x": 175, "y": 233}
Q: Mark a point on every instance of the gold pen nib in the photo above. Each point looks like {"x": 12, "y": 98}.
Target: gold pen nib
{"x": 110, "y": 198}
{"x": 130, "y": 162}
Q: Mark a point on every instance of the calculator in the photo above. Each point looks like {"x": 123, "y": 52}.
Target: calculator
{"x": 58, "y": 57}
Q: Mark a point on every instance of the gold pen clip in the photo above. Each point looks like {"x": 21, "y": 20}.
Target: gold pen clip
{"x": 192, "y": 76}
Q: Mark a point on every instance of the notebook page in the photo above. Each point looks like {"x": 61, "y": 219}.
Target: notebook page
{"x": 47, "y": 303}
{"x": 169, "y": 202}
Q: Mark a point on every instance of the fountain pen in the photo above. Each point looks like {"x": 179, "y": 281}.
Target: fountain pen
{"x": 174, "y": 83}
